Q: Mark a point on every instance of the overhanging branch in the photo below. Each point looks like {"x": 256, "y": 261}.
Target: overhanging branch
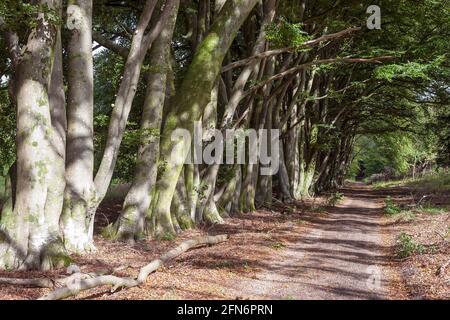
{"x": 307, "y": 44}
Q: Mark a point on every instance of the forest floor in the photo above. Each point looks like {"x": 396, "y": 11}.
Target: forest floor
{"x": 342, "y": 256}
{"x": 299, "y": 251}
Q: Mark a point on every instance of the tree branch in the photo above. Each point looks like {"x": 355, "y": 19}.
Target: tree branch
{"x": 316, "y": 62}
{"x": 110, "y": 44}
{"x": 307, "y": 44}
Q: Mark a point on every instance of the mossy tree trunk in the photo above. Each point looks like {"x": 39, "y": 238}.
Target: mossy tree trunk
{"x": 206, "y": 210}
{"x": 30, "y": 237}
{"x": 190, "y": 102}
{"x": 263, "y": 195}
{"x": 210, "y": 177}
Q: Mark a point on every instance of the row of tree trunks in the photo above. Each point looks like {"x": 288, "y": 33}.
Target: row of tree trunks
{"x": 79, "y": 209}
{"x": 51, "y": 190}
{"x": 54, "y": 193}
{"x": 189, "y": 104}
{"x": 131, "y": 223}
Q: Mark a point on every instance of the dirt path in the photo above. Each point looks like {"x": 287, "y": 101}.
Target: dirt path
{"x": 342, "y": 257}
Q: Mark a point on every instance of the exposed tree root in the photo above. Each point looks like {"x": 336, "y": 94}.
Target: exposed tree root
{"x": 38, "y": 282}
{"x": 78, "y": 282}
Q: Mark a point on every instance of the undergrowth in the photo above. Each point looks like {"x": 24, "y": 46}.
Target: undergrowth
{"x": 406, "y": 246}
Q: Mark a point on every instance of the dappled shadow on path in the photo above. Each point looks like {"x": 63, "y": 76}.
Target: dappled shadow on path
{"x": 336, "y": 253}
{"x": 340, "y": 256}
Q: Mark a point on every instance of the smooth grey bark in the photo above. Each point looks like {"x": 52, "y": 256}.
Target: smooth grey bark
{"x": 228, "y": 203}
{"x": 192, "y": 182}
{"x": 293, "y": 153}
{"x": 79, "y": 195}
{"x": 251, "y": 68}
{"x": 199, "y": 190}
{"x": 28, "y": 233}
{"x": 283, "y": 176}
{"x": 55, "y": 195}
{"x": 263, "y": 195}
{"x": 297, "y": 157}
{"x": 235, "y": 202}
{"x": 180, "y": 208}
{"x": 79, "y": 227}
{"x": 131, "y": 223}
{"x": 13, "y": 46}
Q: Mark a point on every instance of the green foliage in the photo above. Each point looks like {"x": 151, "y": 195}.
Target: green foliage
{"x": 108, "y": 232}
{"x": 434, "y": 182}
{"x": 134, "y": 137}
{"x": 408, "y": 214}
{"x": 432, "y": 210}
{"x": 335, "y": 198}
{"x": 409, "y": 70}
{"x": 438, "y": 182}
{"x": 226, "y": 174}
{"x": 108, "y": 68}
{"x": 390, "y": 207}
{"x": 394, "y": 152}
{"x": 167, "y": 237}
{"x": 278, "y": 245}
{"x": 412, "y": 70}
{"x": 20, "y": 13}
{"x": 442, "y": 123}
{"x": 406, "y": 246}
{"x": 7, "y": 133}
{"x": 286, "y": 34}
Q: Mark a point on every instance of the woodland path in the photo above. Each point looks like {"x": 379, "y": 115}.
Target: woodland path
{"x": 341, "y": 257}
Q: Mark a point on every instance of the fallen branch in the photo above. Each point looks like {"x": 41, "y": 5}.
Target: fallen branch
{"x": 86, "y": 282}
{"x": 75, "y": 275}
{"x": 38, "y": 282}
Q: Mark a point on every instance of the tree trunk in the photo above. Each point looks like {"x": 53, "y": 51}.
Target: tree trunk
{"x": 206, "y": 210}
{"x": 179, "y": 207}
{"x": 79, "y": 196}
{"x": 140, "y": 44}
{"x": 30, "y": 235}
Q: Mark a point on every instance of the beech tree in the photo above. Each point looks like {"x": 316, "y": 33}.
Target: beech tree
{"x": 31, "y": 223}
